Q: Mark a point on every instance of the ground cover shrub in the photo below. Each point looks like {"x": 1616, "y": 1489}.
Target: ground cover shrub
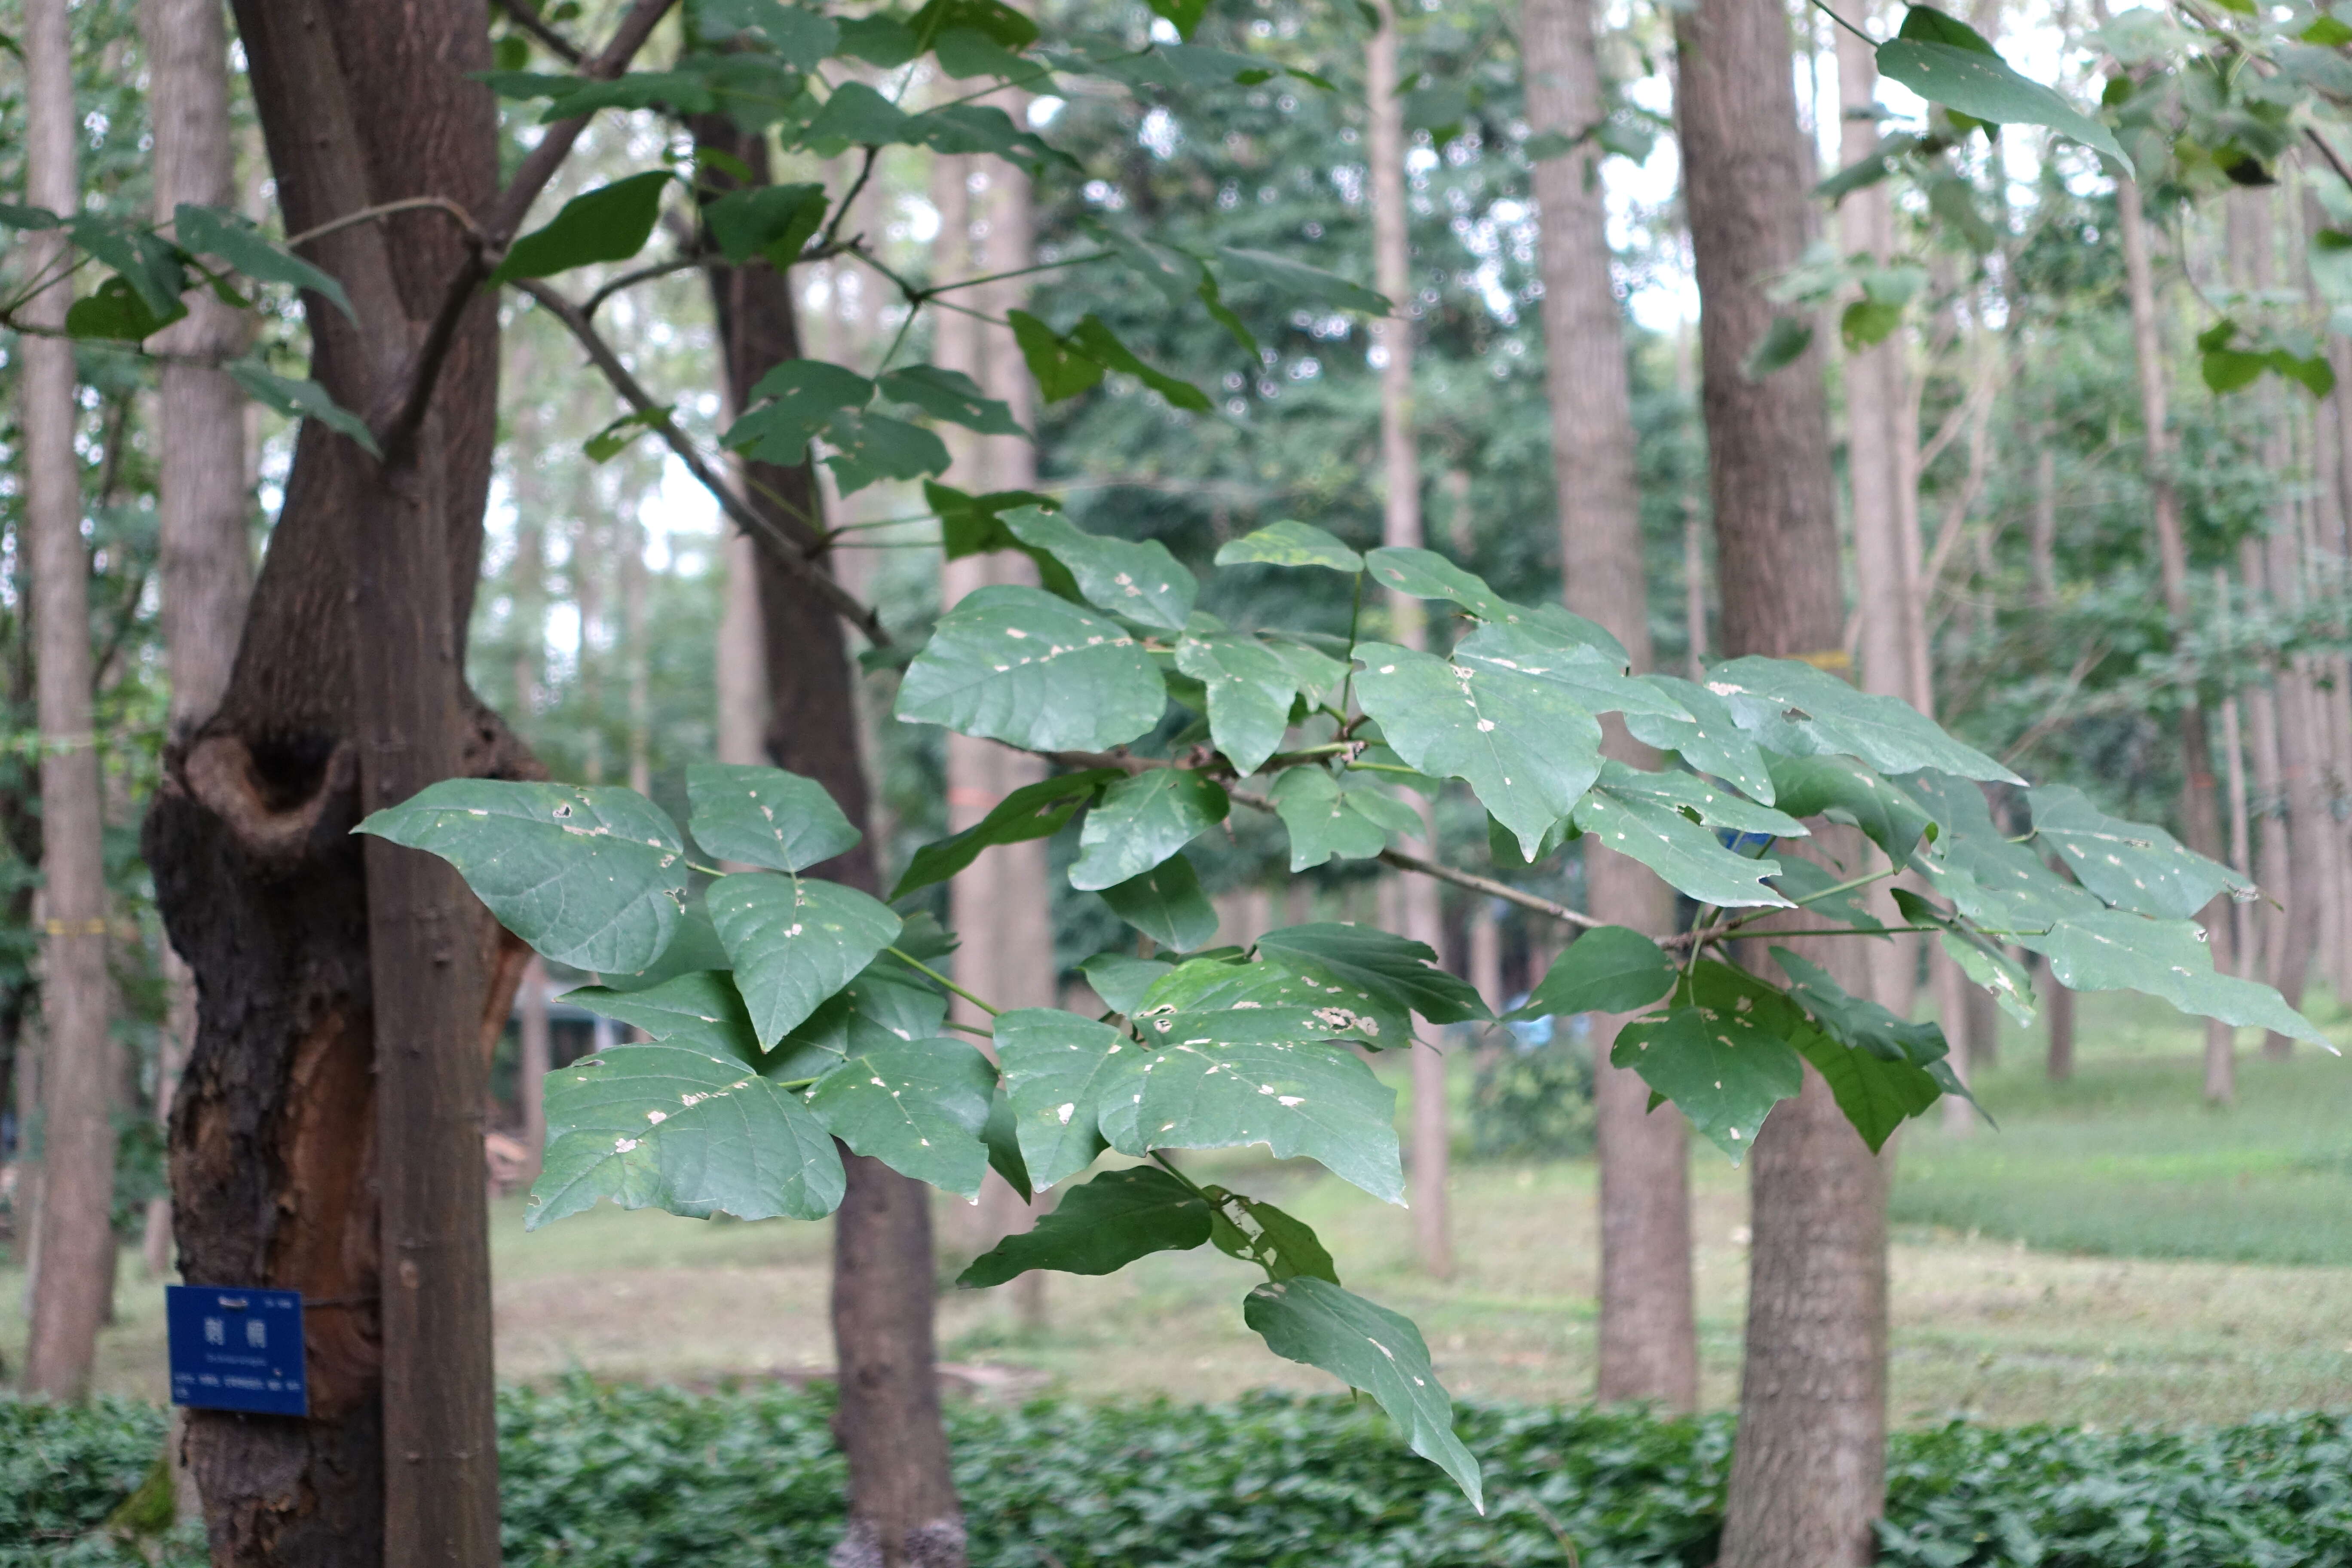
{"x": 624, "y": 1477}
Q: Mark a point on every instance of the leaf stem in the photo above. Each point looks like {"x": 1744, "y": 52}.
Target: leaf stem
{"x": 1348, "y": 687}
{"x": 1842, "y": 22}
{"x": 910, "y": 959}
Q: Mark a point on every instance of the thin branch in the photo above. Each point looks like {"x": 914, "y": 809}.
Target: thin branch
{"x": 789, "y": 553}
{"x": 628, "y": 280}
{"x": 841, "y": 208}
{"x": 1488, "y": 886}
{"x": 912, "y": 961}
{"x": 2327, "y": 151}
{"x": 526, "y": 17}
{"x": 1020, "y": 272}
{"x": 387, "y": 209}
{"x": 1842, "y": 22}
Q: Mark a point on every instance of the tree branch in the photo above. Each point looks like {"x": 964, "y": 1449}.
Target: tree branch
{"x": 1487, "y": 885}
{"x": 526, "y": 17}
{"x": 795, "y": 558}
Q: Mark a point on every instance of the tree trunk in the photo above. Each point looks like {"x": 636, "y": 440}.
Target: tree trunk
{"x": 1808, "y": 1474}
{"x": 201, "y": 495}
{"x": 2200, "y": 811}
{"x": 298, "y": 1149}
{"x": 1648, "y": 1332}
{"x": 903, "y": 1511}
{"x": 74, "y": 1281}
{"x": 1401, "y": 479}
{"x": 2058, "y": 1008}
{"x": 534, "y": 1062}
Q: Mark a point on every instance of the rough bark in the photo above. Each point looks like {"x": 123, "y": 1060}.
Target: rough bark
{"x": 74, "y": 1281}
{"x": 1648, "y": 1332}
{"x": 1808, "y": 1473}
{"x": 903, "y": 1511}
{"x": 309, "y": 950}
{"x": 2200, "y": 809}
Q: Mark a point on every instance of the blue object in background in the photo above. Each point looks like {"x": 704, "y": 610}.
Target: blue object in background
{"x": 237, "y": 1350}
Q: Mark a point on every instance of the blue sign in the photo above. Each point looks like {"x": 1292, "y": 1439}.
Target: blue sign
{"x": 237, "y": 1350}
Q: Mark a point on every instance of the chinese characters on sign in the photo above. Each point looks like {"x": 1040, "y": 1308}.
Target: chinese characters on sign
{"x": 237, "y": 1350}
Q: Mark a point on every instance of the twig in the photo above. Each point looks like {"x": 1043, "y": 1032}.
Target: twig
{"x": 387, "y": 209}
{"x": 628, "y": 280}
{"x": 912, "y": 961}
{"x": 528, "y": 19}
{"x": 789, "y": 553}
{"x": 1558, "y": 1533}
{"x": 841, "y": 209}
{"x": 1487, "y": 885}
{"x": 1850, "y": 28}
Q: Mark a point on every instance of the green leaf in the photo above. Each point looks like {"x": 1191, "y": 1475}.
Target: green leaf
{"x": 1929, "y": 26}
{"x": 1300, "y": 1098}
{"x": 1784, "y": 342}
{"x": 1400, "y": 972}
{"x": 1297, "y": 279}
{"x": 1868, "y": 169}
{"x": 211, "y": 231}
{"x": 1982, "y": 86}
{"x": 1212, "y": 301}
{"x": 871, "y": 447}
{"x": 1033, "y": 811}
{"x": 614, "y": 439}
{"x": 1061, "y": 368}
{"x": 149, "y": 263}
{"x": 2327, "y": 32}
{"x": 791, "y": 404}
{"x": 990, "y": 19}
{"x": 802, "y": 38}
{"x": 1867, "y": 324}
{"x": 952, "y": 396}
{"x": 2004, "y": 887}
{"x": 1184, "y": 14}
{"x": 1121, "y": 979}
{"x": 1709, "y": 739}
{"x": 918, "y": 1106}
{"x": 1987, "y": 965}
{"x": 984, "y": 127}
{"x": 301, "y": 400}
{"x": 879, "y": 40}
{"x": 1426, "y": 574}
{"x": 1698, "y": 797}
{"x": 672, "y": 1128}
{"x": 1882, "y": 1069}
{"x": 115, "y": 310}
{"x": 1141, "y": 821}
{"x": 765, "y": 817}
{"x": 1288, "y": 543}
{"x": 1102, "y": 345}
{"x": 1141, "y": 581}
{"x": 611, "y": 223}
{"x": 794, "y": 941}
{"x": 1690, "y": 857}
{"x": 974, "y": 525}
{"x": 1525, "y": 747}
{"x": 1167, "y": 905}
{"x": 1324, "y": 819}
{"x": 857, "y": 115}
{"x": 2115, "y": 949}
{"x": 1059, "y": 1072}
{"x": 2129, "y": 864}
{"x": 1844, "y": 790}
{"x": 1809, "y": 884}
{"x": 1101, "y": 1226}
{"x": 702, "y": 1009}
{"x": 30, "y": 219}
{"x": 966, "y": 52}
{"x": 1256, "y": 1231}
{"x": 1586, "y": 675}
{"x": 1724, "y": 1076}
{"x": 1792, "y": 708}
{"x": 1279, "y": 999}
{"x": 771, "y": 221}
{"x": 888, "y": 1003}
{"x": 1004, "y": 1145}
{"x": 1611, "y": 969}
{"x": 1367, "y": 1347}
{"x": 1250, "y": 689}
{"x": 1015, "y": 664}
{"x": 592, "y": 877}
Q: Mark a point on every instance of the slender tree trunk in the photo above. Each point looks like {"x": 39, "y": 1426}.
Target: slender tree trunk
{"x": 742, "y": 657}
{"x": 301, "y": 1150}
{"x": 1400, "y": 477}
{"x": 2199, "y": 812}
{"x": 1649, "y": 1338}
{"x": 903, "y": 1511}
{"x": 535, "y": 1061}
{"x": 75, "y": 1238}
{"x": 2058, "y": 1011}
{"x": 1807, "y": 1475}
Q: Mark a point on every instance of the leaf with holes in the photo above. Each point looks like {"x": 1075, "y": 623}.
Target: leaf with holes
{"x": 952, "y": 396}
{"x": 1033, "y": 811}
{"x": 2115, "y": 949}
{"x": 1587, "y": 675}
{"x": 1143, "y": 820}
{"x": 765, "y": 817}
{"x": 1255, "y": 1230}
{"x": 1690, "y": 857}
{"x": 1101, "y": 1226}
{"x": 1609, "y": 970}
{"x": 1062, "y": 369}
{"x": 1326, "y": 820}
{"x": 1121, "y": 979}
{"x": 1710, "y": 803}
{"x": 794, "y": 941}
{"x": 1288, "y": 543}
{"x": 1527, "y": 749}
{"x": 1847, "y": 791}
{"x": 1167, "y": 905}
{"x": 2129, "y": 864}
{"x": 870, "y": 448}
{"x": 770, "y": 221}
{"x": 611, "y": 223}
{"x": 1793, "y": 708}
{"x": 1274, "y": 1000}
{"x": 1401, "y": 971}
{"x": 2002, "y": 887}
{"x": 1300, "y": 1098}
{"x": 1250, "y": 689}
{"x": 1882, "y": 1069}
{"x": 1709, "y": 739}
{"x": 1139, "y": 580}
{"x": 673, "y": 1128}
{"x": 918, "y": 1106}
{"x": 1426, "y": 574}
{"x": 592, "y": 877}
{"x": 1984, "y": 87}
{"x": 1369, "y": 1347}
{"x": 790, "y": 405}
{"x": 1016, "y": 663}
{"x": 1059, "y": 1071}
{"x": 886, "y": 1005}
{"x": 702, "y": 1010}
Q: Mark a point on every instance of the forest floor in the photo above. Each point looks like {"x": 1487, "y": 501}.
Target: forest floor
{"x": 2115, "y": 1253}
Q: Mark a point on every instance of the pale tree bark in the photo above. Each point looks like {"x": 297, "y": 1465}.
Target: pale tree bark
{"x": 1808, "y": 1472}
{"x": 74, "y": 1281}
{"x": 535, "y": 1061}
{"x": 2233, "y": 760}
{"x": 202, "y": 499}
{"x": 1648, "y": 1331}
{"x": 2200, "y": 810}
{"x": 1401, "y": 526}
